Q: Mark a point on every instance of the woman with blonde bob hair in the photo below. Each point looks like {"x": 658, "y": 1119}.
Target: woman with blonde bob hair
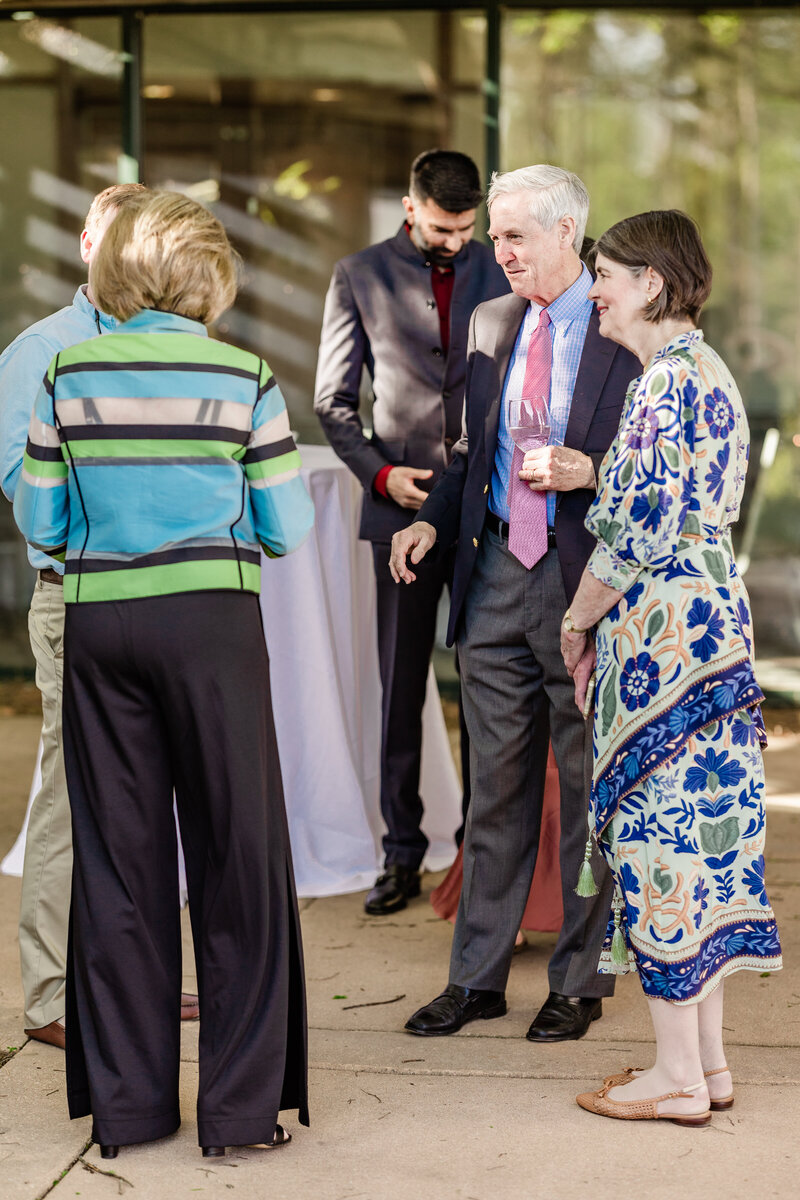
{"x": 159, "y": 462}
{"x": 169, "y": 254}
{"x": 677, "y": 803}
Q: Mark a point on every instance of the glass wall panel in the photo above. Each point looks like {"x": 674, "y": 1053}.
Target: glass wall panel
{"x": 298, "y": 131}
{"x": 664, "y": 110}
{"x": 59, "y": 99}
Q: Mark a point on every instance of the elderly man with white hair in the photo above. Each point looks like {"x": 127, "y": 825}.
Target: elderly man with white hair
{"x": 522, "y": 547}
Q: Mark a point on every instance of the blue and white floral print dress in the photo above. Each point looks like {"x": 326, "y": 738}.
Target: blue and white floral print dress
{"x": 678, "y": 789}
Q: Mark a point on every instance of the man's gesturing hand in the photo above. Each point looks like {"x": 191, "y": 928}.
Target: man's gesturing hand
{"x": 415, "y": 540}
{"x": 557, "y": 469}
{"x": 402, "y": 489}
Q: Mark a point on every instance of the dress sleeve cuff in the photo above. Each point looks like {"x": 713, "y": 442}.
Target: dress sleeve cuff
{"x": 610, "y": 569}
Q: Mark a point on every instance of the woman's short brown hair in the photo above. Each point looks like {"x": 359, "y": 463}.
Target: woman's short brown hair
{"x": 165, "y": 252}
{"x": 668, "y": 241}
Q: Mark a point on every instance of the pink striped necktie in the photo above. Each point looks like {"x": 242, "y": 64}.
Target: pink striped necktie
{"x": 527, "y": 522}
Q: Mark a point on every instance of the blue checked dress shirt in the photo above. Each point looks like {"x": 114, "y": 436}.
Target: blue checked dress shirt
{"x": 569, "y": 316}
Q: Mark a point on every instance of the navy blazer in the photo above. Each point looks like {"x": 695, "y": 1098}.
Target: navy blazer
{"x": 457, "y": 505}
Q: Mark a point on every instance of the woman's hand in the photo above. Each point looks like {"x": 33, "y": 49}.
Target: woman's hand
{"x": 589, "y": 605}
{"x": 573, "y": 647}
{"x": 583, "y": 673}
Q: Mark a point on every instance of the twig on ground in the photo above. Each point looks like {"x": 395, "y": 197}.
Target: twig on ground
{"x": 121, "y": 1182}
{"x": 375, "y": 1003}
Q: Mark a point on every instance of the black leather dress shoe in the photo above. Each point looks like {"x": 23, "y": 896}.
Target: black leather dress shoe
{"x": 564, "y": 1018}
{"x": 456, "y": 1005}
{"x": 393, "y": 889}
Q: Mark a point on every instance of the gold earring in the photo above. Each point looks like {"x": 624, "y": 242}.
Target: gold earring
{"x": 651, "y": 299}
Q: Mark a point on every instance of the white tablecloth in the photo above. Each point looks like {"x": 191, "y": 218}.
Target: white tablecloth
{"x": 319, "y": 620}
{"x": 320, "y": 625}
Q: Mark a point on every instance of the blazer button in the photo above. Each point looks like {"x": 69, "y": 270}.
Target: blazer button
{"x": 475, "y": 542}
{"x": 446, "y": 394}
{"x": 486, "y": 488}
{"x": 436, "y": 352}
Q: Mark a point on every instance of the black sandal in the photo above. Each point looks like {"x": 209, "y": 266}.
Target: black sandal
{"x": 280, "y": 1138}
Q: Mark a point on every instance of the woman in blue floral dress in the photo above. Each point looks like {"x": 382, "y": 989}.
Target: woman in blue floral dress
{"x": 677, "y": 803}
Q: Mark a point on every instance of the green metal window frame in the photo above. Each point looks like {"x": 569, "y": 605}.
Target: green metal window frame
{"x": 132, "y": 14}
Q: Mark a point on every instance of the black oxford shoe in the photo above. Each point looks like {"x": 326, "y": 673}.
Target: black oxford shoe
{"x": 564, "y": 1018}
{"x": 393, "y": 889}
{"x": 456, "y": 1005}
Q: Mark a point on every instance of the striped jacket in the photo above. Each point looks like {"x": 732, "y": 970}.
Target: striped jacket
{"x": 157, "y": 461}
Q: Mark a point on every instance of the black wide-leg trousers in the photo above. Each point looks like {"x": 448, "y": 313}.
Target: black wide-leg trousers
{"x": 164, "y": 692}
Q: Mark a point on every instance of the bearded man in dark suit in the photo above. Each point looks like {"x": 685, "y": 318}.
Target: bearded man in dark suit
{"x": 400, "y": 310}
{"x": 521, "y": 548}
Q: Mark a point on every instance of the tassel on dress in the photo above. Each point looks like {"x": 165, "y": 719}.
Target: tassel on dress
{"x": 619, "y": 948}
{"x": 586, "y": 881}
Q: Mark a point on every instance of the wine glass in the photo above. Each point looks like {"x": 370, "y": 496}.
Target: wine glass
{"x": 529, "y": 423}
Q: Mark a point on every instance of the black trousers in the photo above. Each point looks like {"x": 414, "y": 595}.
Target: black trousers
{"x": 167, "y": 692}
{"x": 406, "y": 632}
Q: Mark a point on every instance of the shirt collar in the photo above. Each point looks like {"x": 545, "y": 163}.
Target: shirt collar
{"x": 82, "y": 302}
{"x": 153, "y": 321}
{"x": 438, "y": 269}
{"x": 405, "y": 245}
{"x": 570, "y": 304}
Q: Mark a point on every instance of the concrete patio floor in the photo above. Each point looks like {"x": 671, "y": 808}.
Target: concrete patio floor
{"x": 482, "y": 1115}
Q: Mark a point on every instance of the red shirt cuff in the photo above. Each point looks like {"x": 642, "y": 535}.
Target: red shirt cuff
{"x": 379, "y": 482}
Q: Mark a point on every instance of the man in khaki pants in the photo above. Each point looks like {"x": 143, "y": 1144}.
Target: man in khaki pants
{"x": 47, "y": 870}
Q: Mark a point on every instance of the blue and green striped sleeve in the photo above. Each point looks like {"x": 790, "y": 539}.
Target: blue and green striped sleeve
{"x": 282, "y": 511}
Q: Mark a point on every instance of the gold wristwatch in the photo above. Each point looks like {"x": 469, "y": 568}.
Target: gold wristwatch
{"x": 569, "y": 626}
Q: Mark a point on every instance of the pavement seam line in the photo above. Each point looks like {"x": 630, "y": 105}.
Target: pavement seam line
{"x": 66, "y": 1170}
{"x": 464, "y": 1073}
{"x": 513, "y": 1037}
{"x": 11, "y": 1052}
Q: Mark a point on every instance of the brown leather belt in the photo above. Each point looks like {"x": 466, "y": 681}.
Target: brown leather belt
{"x": 48, "y": 575}
{"x": 500, "y": 528}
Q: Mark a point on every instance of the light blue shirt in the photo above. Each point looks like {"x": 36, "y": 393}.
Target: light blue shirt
{"x": 569, "y": 320}
{"x": 23, "y": 366}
